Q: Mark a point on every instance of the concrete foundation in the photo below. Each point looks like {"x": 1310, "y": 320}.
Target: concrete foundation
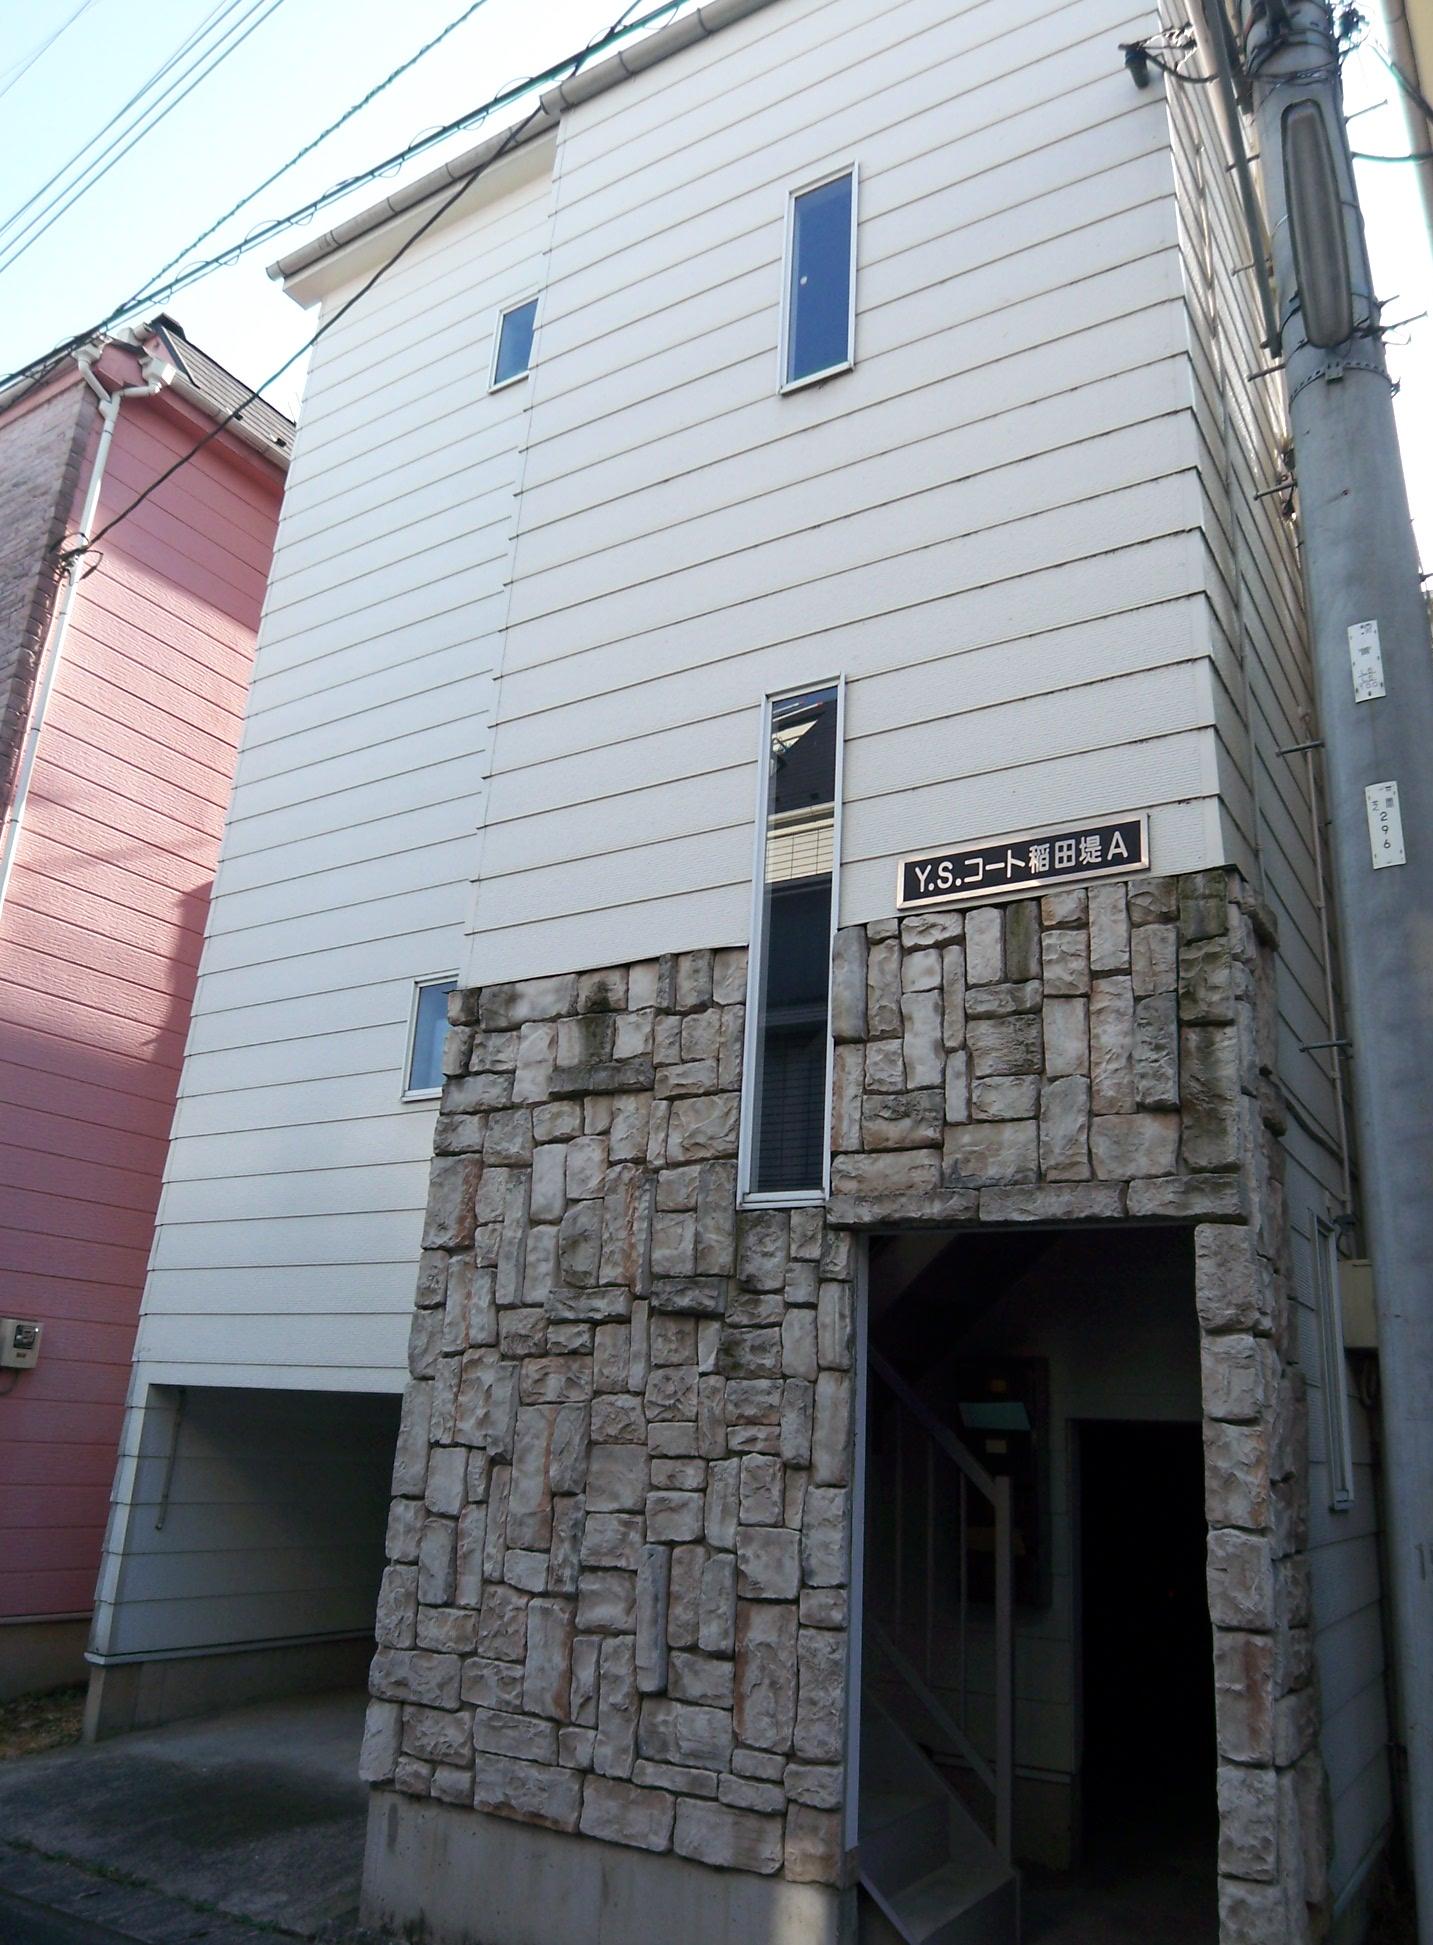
{"x": 451, "y": 1876}
{"x": 142, "y": 1694}
{"x": 38, "y": 1655}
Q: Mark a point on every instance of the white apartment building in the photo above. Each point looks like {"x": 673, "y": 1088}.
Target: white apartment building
{"x": 780, "y": 579}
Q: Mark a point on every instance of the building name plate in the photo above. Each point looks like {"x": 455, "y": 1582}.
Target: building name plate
{"x": 972, "y": 873}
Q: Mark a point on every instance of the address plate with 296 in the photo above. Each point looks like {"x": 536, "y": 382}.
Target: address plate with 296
{"x": 968, "y": 873}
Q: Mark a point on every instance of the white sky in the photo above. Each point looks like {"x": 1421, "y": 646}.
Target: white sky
{"x": 302, "y": 67}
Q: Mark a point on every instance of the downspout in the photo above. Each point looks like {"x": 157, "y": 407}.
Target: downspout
{"x": 109, "y": 404}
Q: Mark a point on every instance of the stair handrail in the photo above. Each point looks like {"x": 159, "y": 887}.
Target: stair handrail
{"x": 939, "y": 1434}
{"x": 998, "y": 1492}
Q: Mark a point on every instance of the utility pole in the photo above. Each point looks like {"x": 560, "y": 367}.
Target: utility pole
{"x": 1374, "y": 679}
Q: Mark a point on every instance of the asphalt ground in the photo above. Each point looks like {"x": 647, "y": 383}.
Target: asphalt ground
{"x": 233, "y": 1830}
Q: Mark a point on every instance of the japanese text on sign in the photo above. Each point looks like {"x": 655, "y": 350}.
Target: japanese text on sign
{"x": 971, "y": 872}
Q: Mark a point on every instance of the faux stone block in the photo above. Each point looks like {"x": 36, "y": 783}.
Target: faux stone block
{"x": 1112, "y": 1075}
{"x": 1005, "y": 1097}
{"x": 718, "y": 1605}
{"x": 835, "y": 1327}
{"x": 907, "y": 1120}
{"x": 704, "y": 1128}
{"x": 848, "y": 984}
{"x": 825, "y": 1558}
{"x": 680, "y": 1778}
{"x": 1233, "y": 1286}
{"x": 820, "y": 1707}
{"x": 416, "y": 1675}
{"x": 1241, "y": 1580}
{"x": 493, "y": 1684}
{"x": 831, "y": 1430}
{"x": 732, "y": 1839}
{"x": 653, "y": 1582}
{"x": 606, "y": 1602}
{"x": 1156, "y": 1052}
{"x": 1066, "y": 1023}
{"x": 382, "y": 1731}
{"x": 447, "y": 1479}
{"x": 883, "y": 989}
{"x": 984, "y": 946}
{"x": 1065, "y": 962}
{"x": 768, "y": 1563}
{"x": 746, "y": 1793}
{"x": 922, "y": 1045}
{"x": 616, "y": 1745}
{"x": 703, "y": 1679}
{"x": 1065, "y": 1129}
{"x": 989, "y": 1152}
{"x": 620, "y": 1813}
{"x": 1005, "y": 1046}
{"x": 684, "y": 1601}
{"x": 547, "y": 1672}
{"x": 814, "y": 1851}
{"x": 1209, "y": 1096}
{"x": 761, "y": 1491}
{"x": 684, "y": 1732}
{"x": 766, "y": 1674}
{"x": 533, "y": 1792}
{"x": 1123, "y": 1146}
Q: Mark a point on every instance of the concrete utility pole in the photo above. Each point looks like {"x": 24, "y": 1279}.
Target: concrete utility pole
{"x": 1374, "y": 678}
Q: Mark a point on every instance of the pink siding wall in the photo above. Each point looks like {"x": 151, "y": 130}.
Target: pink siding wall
{"x": 99, "y": 944}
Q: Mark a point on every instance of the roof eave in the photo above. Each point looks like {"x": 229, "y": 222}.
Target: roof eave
{"x": 584, "y": 85}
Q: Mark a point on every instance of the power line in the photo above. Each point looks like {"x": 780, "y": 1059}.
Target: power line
{"x": 453, "y": 25}
{"x": 190, "y": 41}
{"x": 19, "y": 69}
{"x": 508, "y": 143}
{"x": 260, "y": 11}
{"x": 266, "y": 232}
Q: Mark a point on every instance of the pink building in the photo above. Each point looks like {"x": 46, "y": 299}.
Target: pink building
{"x": 122, "y": 689}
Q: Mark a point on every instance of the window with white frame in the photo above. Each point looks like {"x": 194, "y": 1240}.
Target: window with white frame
{"x": 788, "y": 1051}
{"x": 1335, "y": 1366}
{"x": 427, "y": 1030}
{"x": 512, "y": 344}
{"x": 818, "y": 318}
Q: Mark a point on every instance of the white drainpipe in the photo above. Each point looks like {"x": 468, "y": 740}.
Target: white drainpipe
{"x": 156, "y": 373}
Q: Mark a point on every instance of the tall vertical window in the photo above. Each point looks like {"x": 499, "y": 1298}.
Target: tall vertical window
{"x": 427, "y": 1030}
{"x": 512, "y": 346}
{"x": 818, "y": 335}
{"x": 1335, "y": 1367}
{"x": 789, "y": 1031}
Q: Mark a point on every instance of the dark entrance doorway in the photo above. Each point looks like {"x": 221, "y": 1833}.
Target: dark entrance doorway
{"x": 1148, "y": 1809}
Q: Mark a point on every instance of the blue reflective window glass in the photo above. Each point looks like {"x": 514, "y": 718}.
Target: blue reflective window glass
{"x": 818, "y": 326}
{"x": 515, "y": 342}
{"x": 430, "y": 1026}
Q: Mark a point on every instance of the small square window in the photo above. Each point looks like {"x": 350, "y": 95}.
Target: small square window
{"x": 819, "y": 320}
{"x": 512, "y": 350}
{"x": 427, "y": 1031}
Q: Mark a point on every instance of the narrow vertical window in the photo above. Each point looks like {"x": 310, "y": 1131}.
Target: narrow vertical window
{"x": 512, "y": 347}
{"x": 427, "y": 1030}
{"x": 1335, "y": 1367}
{"x": 819, "y": 324}
{"x": 788, "y": 1044}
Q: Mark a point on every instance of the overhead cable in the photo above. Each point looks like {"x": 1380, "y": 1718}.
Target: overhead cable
{"x": 194, "y": 77}
{"x": 264, "y": 233}
{"x": 145, "y": 87}
{"x": 19, "y": 69}
{"x": 514, "y": 135}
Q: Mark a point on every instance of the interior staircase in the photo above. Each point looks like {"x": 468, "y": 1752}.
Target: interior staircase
{"x": 931, "y": 1872}
{"x": 931, "y": 1875}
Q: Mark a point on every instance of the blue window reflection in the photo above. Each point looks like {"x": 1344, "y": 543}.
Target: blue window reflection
{"x": 430, "y": 1027}
{"x": 515, "y": 342}
{"x": 818, "y": 334}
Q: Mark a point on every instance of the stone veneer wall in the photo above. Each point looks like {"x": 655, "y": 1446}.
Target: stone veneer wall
{"x": 620, "y": 1539}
